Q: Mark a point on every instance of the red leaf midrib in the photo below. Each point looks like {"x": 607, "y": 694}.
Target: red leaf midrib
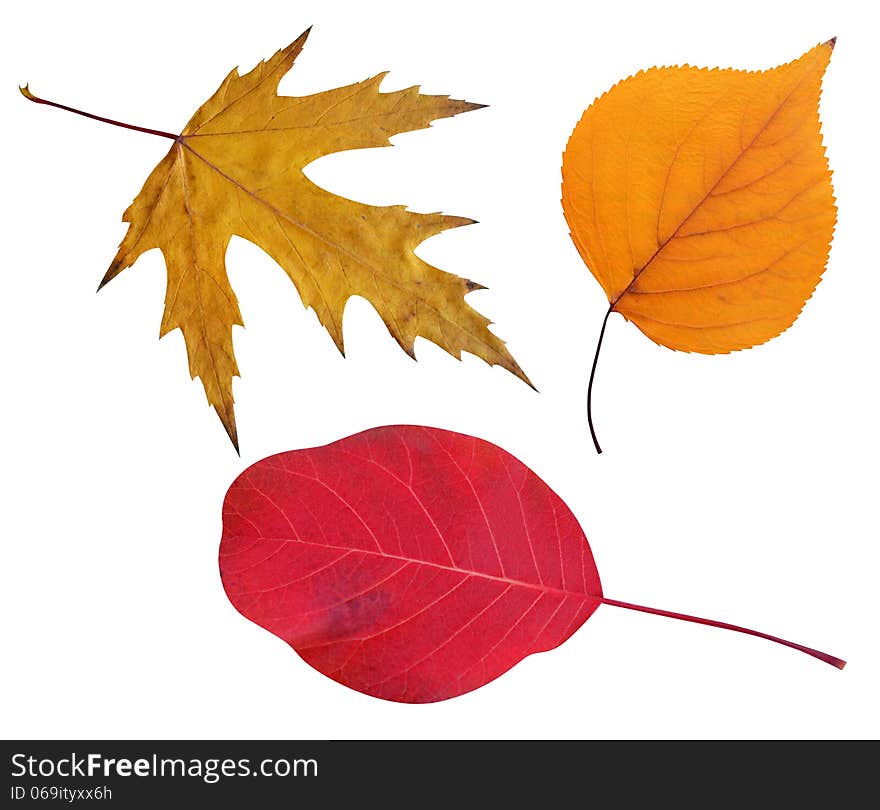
{"x": 548, "y": 589}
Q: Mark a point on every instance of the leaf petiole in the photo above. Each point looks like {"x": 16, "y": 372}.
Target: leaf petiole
{"x": 25, "y": 91}
{"x": 592, "y": 375}
{"x": 828, "y": 659}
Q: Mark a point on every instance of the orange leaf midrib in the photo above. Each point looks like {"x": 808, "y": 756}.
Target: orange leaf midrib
{"x": 637, "y": 275}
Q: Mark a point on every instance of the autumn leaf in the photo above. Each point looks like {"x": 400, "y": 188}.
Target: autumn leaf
{"x": 701, "y": 201}
{"x": 236, "y": 169}
{"x": 411, "y": 563}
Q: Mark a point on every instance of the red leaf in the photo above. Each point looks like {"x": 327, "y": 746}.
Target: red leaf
{"x": 410, "y": 563}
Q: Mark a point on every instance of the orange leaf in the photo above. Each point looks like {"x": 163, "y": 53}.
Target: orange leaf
{"x": 701, "y": 201}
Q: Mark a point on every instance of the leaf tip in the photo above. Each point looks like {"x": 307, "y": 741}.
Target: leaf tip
{"x": 25, "y": 91}
{"x": 225, "y": 409}
{"x": 831, "y": 42}
{"x": 515, "y": 369}
{"x": 114, "y": 270}
{"x": 463, "y": 106}
{"x": 300, "y": 40}
{"x": 231, "y": 431}
{"x": 338, "y": 341}
{"x": 288, "y": 55}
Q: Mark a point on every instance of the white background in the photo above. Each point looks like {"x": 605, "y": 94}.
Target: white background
{"x": 737, "y": 487}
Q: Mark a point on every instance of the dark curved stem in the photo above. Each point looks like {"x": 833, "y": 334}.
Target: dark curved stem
{"x": 31, "y": 97}
{"x": 590, "y": 385}
{"x": 828, "y": 659}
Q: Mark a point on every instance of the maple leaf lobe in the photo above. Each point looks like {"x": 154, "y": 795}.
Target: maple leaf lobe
{"x": 236, "y": 170}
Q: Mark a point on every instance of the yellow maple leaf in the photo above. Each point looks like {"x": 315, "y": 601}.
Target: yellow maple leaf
{"x": 236, "y": 169}
{"x": 701, "y": 201}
